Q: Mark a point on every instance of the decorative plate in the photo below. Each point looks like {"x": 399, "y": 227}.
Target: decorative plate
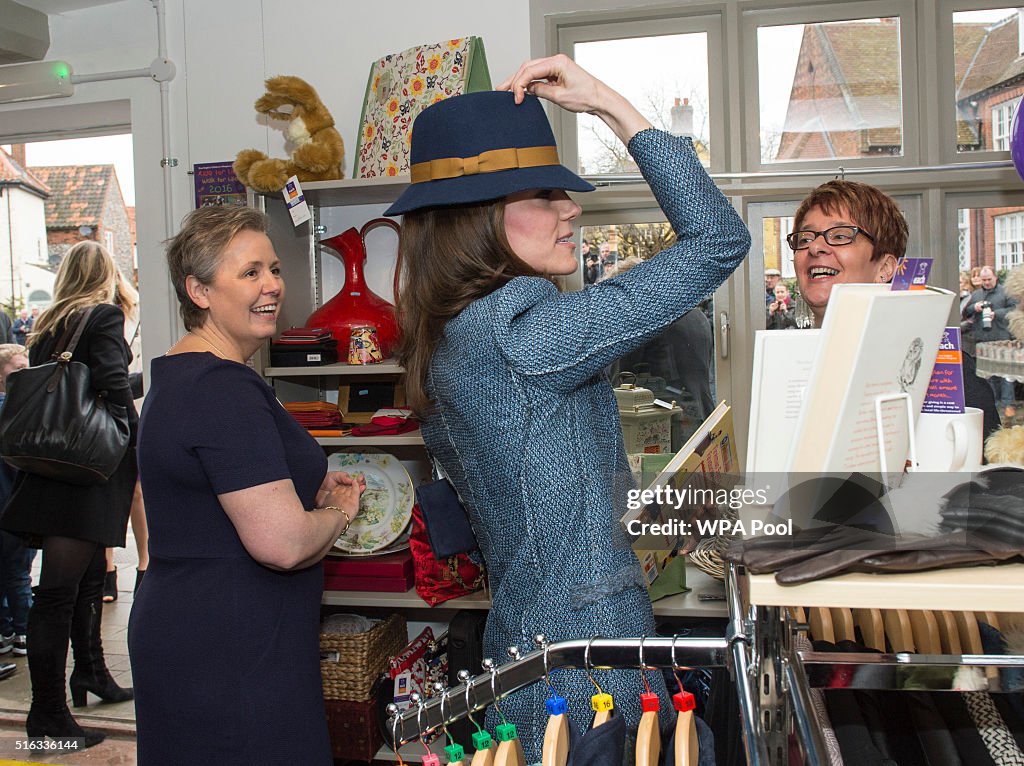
{"x": 401, "y": 544}
{"x": 385, "y": 508}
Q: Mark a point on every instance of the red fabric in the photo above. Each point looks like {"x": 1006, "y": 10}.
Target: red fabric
{"x": 439, "y": 581}
{"x": 376, "y": 428}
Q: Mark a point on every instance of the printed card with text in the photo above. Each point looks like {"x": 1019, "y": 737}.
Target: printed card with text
{"x": 912, "y": 274}
{"x": 946, "y": 388}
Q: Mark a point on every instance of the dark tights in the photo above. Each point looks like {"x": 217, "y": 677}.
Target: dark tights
{"x": 67, "y": 606}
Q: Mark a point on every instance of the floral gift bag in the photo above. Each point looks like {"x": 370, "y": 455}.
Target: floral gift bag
{"x": 400, "y": 86}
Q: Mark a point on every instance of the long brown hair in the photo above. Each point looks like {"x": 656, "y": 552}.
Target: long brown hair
{"x": 451, "y": 256}
{"x": 87, "y": 276}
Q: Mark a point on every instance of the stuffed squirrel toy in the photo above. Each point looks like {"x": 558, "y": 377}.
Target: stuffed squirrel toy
{"x": 316, "y": 147}
{"x": 1007, "y": 444}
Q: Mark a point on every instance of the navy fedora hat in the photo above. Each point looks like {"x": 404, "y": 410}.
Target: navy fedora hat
{"x": 482, "y": 146}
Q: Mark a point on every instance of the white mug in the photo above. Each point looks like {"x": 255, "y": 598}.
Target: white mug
{"x": 949, "y": 441}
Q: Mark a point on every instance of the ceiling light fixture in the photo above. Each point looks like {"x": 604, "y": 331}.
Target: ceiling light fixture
{"x": 35, "y": 80}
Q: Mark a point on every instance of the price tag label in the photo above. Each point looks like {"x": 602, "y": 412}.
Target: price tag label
{"x": 601, "y": 702}
{"x": 296, "y": 201}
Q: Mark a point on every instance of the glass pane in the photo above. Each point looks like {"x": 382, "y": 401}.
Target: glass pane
{"x": 666, "y": 78}
{"x": 830, "y": 90}
{"x": 987, "y": 48}
{"x": 778, "y": 270}
{"x": 994, "y": 236}
{"x": 678, "y": 365}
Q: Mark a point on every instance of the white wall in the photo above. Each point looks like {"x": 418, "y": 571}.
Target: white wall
{"x": 223, "y": 51}
{"x": 23, "y": 222}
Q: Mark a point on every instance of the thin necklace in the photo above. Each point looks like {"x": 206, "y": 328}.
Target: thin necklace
{"x": 211, "y": 345}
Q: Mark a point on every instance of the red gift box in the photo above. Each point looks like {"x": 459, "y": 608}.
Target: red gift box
{"x": 391, "y": 573}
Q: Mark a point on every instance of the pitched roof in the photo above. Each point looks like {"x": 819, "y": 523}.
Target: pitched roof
{"x": 867, "y": 62}
{"x": 13, "y": 174}
{"x": 79, "y": 192}
{"x": 993, "y": 58}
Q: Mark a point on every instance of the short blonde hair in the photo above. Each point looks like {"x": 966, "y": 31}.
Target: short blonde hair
{"x": 10, "y": 350}
{"x": 196, "y": 250}
{"x": 7, "y": 352}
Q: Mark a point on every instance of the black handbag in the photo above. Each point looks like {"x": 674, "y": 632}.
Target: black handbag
{"x": 54, "y": 424}
{"x": 444, "y": 516}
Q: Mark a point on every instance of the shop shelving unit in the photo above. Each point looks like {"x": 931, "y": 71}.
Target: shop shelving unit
{"x": 762, "y": 632}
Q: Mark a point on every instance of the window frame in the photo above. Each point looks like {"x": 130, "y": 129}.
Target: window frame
{"x": 946, "y": 106}
{"x": 588, "y": 28}
{"x": 1005, "y": 219}
{"x": 903, "y": 10}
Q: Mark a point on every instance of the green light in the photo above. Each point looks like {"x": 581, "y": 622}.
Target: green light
{"x": 61, "y": 70}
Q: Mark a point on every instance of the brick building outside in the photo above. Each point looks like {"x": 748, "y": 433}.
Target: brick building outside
{"x": 86, "y": 203}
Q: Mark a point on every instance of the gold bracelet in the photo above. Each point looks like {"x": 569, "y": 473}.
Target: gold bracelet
{"x": 348, "y": 519}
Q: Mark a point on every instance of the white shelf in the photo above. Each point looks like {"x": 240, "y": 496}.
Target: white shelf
{"x": 387, "y": 367}
{"x": 414, "y": 439}
{"x": 970, "y": 589}
{"x": 352, "y": 191}
{"x": 680, "y": 605}
{"x": 407, "y": 600}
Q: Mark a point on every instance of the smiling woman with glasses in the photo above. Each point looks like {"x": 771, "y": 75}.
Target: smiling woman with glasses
{"x": 837, "y": 235}
{"x": 844, "y": 232}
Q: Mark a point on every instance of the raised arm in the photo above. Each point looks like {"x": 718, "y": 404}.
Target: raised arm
{"x": 560, "y": 340}
{"x": 562, "y": 81}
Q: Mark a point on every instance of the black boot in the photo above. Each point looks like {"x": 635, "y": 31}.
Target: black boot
{"x": 48, "y": 625}
{"x": 60, "y": 726}
{"x": 110, "y": 587}
{"x": 90, "y": 673}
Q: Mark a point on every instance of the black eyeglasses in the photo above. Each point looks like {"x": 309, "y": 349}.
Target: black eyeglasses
{"x": 837, "y": 235}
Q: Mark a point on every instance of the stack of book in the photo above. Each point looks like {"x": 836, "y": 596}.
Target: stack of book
{"x": 319, "y": 418}
{"x": 304, "y": 347}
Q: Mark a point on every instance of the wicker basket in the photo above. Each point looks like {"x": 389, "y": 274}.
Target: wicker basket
{"x": 351, "y": 663}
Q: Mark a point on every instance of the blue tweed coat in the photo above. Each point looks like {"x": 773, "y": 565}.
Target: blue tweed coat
{"x": 527, "y": 429}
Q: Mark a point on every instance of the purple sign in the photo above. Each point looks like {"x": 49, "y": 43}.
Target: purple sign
{"x": 217, "y": 184}
{"x": 912, "y": 274}
{"x": 946, "y": 388}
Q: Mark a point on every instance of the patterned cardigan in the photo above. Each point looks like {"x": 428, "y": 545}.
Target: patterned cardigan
{"x": 527, "y": 429}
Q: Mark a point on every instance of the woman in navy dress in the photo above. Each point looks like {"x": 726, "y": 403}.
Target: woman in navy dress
{"x": 223, "y": 635}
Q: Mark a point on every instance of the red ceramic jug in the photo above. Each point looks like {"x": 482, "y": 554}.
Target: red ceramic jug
{"x": 357, "y": 305}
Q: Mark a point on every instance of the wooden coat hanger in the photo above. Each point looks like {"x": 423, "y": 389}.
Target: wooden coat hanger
{"x": 898, "y": 630}
{"x": 648, "y": 739}
{"x": 686, "y": 747}
{"x": 454, "y": 751}
{"x": 483, "y": 757}
{"x": 602, "y": 703}
{"x": 992, "y": 618}
{"x": 821, "y": 624}
{"x": 482, "y": 742}
{"x": 925, "y": 630}
{"x": 970, "y": 635}
{"x": 510, "y": 750}
{"x": 872, "y": 629}
{"x": 948, "y": 635}
{"x": 510, "y": 753}
{"x": 648, "y": 735}
{"x": 842, "y": 623}
{"x": 555, "y": 750}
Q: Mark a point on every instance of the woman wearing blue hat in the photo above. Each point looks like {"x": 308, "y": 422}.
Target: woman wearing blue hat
{"x": 507, "y": 372}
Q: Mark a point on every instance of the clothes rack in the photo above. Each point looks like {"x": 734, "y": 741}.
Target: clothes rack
{"x": 777, "y": 697}
{"x": 596, "y": 653}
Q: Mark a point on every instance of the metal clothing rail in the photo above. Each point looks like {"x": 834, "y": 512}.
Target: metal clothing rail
{"x": 597, "y": 654}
